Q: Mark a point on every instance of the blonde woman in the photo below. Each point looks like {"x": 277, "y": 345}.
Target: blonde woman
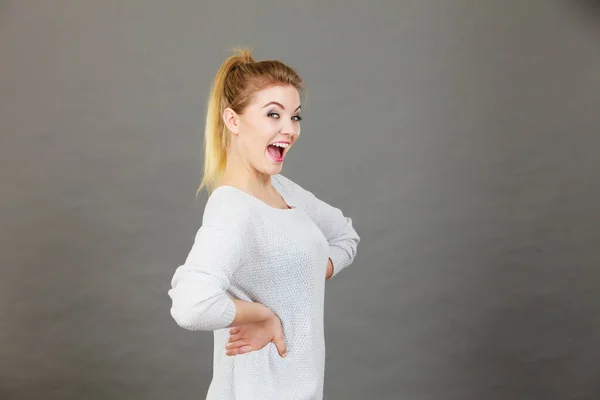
{"x": 256, "y": 271}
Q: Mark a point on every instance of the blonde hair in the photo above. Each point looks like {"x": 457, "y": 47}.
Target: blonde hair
{"x": 234, "y": 85}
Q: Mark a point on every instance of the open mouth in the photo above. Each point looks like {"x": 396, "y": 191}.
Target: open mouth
{"x": 277, "y": 151}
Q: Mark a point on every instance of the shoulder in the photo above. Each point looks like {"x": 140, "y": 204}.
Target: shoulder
{"x": 227, "y": 208}
{"x": 291, "y": 188}
{"x": 299, "y": 195}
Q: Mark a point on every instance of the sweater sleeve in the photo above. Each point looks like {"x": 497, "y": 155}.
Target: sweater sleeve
{"x": 337, "y": 228}
{"x": 199, "y": 287}
{"x": 339, "y": 232}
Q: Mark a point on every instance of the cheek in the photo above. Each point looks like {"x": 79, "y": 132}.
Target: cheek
{"x": 266, "y": 131}
{"x": 271, "y": 126}
{"x": 258, "y": 135}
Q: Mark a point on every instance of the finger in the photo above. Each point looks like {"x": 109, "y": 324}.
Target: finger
{"x": 237, "y": 336}
{"x": 239, "y": 350}
{"x": 281, "y": 347}
{"x": 234, "y": 330}
{"x": 246, "y": 349}
{"x": 233, "y": 352}
{"x": 236, "y": 344}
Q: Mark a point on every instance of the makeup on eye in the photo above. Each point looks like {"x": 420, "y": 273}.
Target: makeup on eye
{"x": 271, "y": 114}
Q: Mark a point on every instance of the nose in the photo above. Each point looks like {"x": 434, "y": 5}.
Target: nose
{"x": 291, "y": 128}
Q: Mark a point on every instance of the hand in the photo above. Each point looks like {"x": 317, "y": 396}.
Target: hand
{"x": 329, "y": 272}
{"x": 255, "y": 336}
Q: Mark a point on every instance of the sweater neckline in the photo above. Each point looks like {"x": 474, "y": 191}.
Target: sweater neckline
{"x": 291, "y": 206}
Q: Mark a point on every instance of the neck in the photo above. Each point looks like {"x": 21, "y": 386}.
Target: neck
{"x": 242, "y": 175}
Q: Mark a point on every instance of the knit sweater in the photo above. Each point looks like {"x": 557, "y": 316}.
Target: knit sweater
{"x": 248, "y": 250}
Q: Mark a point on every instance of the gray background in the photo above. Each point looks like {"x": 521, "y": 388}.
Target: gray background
{"x": 463, "y": 138}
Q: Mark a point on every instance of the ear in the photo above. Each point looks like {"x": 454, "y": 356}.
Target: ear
{"x": 231, "y": 120}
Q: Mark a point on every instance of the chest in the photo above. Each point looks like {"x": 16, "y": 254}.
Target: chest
{"x": 287, "y": 248}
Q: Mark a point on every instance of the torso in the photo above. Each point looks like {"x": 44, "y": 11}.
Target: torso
{"x": 284, "y": 269}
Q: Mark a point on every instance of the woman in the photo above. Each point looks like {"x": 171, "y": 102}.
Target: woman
{"x": 256, "y": 271}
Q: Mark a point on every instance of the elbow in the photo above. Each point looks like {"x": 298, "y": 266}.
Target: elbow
{"x": 190, "y": 322}
{"x": 350, "y": 243}
{"x": 343, "y": 251}
{"x": 203, "y": 315}
{"x": 353, "y": 241}
{"x": 187, "y": 320}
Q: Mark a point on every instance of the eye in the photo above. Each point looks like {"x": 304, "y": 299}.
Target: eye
{"x": 275, "y": 115}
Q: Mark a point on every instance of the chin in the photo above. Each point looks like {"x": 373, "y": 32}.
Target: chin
{"x": 273, "y": 169}
{"x": 268, "y": 168}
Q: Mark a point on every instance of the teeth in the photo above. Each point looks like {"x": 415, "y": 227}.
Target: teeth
{"x": 283, "y": 145}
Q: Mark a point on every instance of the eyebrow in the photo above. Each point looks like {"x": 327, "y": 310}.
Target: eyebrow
{"x": 280, "y": 105}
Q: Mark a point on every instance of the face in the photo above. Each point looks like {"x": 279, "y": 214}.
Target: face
{"x": 267, "y": 129}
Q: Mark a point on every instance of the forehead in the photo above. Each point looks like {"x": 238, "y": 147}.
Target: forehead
{"x": 287, "y": 95}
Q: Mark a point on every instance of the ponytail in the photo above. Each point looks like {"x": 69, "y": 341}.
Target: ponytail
{"x": 216, "y": 138}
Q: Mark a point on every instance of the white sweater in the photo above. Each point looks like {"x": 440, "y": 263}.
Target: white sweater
{"x": 248, "y": 250}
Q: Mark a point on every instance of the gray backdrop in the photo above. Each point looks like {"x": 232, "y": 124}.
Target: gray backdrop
{"x": 463, "y": 138}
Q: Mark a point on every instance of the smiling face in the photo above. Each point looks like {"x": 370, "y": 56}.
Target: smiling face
{"x": 266, "y": 130}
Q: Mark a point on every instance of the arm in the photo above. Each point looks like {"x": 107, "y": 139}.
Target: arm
{"x": 199, "y": 287}
{"x": 336, "y": 227}
{"x": 340, "y": 234}
{"x": 249, "y": 313}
